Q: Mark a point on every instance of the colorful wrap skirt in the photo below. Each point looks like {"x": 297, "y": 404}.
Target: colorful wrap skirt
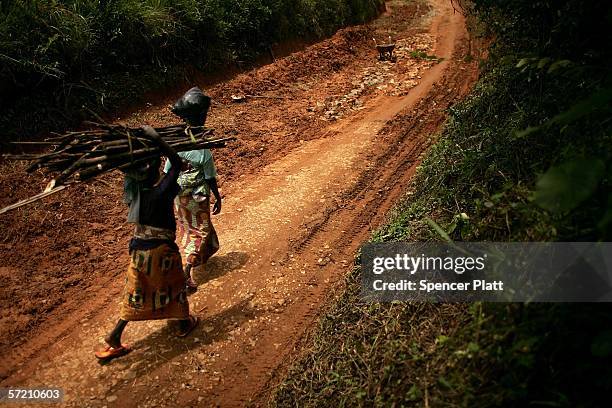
{"x": 155, "y": 285}
{"x": 195, "y": 233}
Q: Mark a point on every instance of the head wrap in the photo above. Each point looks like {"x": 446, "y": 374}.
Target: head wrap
{"x": 193, "y": 106}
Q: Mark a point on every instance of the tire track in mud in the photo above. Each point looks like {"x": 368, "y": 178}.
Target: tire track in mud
{"x": 414, "y": 129}
{"x": 306, "y": 214}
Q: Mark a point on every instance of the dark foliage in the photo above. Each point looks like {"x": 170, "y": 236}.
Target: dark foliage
{"x": 58, "y": 55}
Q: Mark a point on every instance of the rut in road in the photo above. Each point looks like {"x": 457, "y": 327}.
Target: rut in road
{"x": 291, "y": 222}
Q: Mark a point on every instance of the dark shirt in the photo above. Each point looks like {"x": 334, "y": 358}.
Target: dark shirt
{"x": 157, "y": 209}
{"x": 157, "y": 203}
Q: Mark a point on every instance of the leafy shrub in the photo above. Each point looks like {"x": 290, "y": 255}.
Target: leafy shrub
{"x": 57, "y": 55}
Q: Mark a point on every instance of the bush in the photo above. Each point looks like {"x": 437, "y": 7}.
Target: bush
{"x": 58, "y": 55}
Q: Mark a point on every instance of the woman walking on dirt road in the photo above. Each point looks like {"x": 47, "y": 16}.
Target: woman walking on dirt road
{"x": 155, "y": 285}
{"x": 196, "y": 234}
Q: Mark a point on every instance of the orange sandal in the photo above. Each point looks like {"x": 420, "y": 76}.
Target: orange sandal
{"x": 194, "y": 323}
{"x": 108, "y": 353}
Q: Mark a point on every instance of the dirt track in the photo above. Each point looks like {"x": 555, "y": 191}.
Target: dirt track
{"x": 315, "y": 171}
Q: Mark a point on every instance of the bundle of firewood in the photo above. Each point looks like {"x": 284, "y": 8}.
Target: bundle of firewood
{"x": 80, "y": 156}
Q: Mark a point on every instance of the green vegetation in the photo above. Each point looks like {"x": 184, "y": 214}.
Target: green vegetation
{"x": 58, "y": 55}
{"x": 481, "y": 355}
{"x": 417, "y": 54}
{"x": 527, "y": 157}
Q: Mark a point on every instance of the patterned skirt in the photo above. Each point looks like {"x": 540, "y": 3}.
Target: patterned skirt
{"x": 155, "y": 286}
{"x": 195, "y": 232}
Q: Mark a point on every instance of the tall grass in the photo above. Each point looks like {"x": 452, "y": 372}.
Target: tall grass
{"x": 56, "y": 55}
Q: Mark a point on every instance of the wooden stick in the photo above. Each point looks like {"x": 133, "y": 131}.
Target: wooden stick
{"x": 34, "y": 143}
{"x": 32, "y": 199}
{"x": 66, "y": 173}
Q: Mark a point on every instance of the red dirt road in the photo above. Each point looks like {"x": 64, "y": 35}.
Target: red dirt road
{"x": 315, "y": 170}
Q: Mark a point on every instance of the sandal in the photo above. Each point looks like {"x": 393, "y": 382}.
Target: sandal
{"x": 194, "y": 322}
{"x": 108, "y": 353}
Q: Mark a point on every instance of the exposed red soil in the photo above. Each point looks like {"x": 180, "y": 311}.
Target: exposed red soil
{"x": 314, "y": 171}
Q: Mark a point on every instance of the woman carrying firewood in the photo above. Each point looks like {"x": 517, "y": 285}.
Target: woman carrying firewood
{"x": 155, "y": 284}
{"x": 196, "y": 233}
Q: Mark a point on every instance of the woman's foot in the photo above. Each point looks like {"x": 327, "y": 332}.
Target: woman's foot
{"x": 186, "y": 326}
{"x": 113, "y": 350}
{"x": 108, "y": 353}
{"x": 113, "y": 340}
{"x": 191, "y": 286}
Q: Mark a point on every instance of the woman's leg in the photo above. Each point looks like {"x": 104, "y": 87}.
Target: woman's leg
{"x": 183, "y": 212}
{"x": 204, "y": 240}
{"x": 114, "y": 337}
{"x": 115, "y": 348}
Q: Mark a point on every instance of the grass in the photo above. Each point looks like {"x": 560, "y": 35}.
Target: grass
{"x": 371, "y": 354}
{"x": 418, "y": 54}
{"x": 526, "y": 157}
{"x": 477, "y": 355}
{"x": 61, "y": 58}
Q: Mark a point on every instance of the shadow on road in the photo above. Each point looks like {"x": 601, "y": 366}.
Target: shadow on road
{"x": 162, "y": 346}
{"x": 219, "y": 265}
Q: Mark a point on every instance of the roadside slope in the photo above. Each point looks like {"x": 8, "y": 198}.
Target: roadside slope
{"x": 289, "y": 228}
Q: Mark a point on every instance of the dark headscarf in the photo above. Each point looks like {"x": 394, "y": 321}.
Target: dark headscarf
{"x": 193, "y": 107}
